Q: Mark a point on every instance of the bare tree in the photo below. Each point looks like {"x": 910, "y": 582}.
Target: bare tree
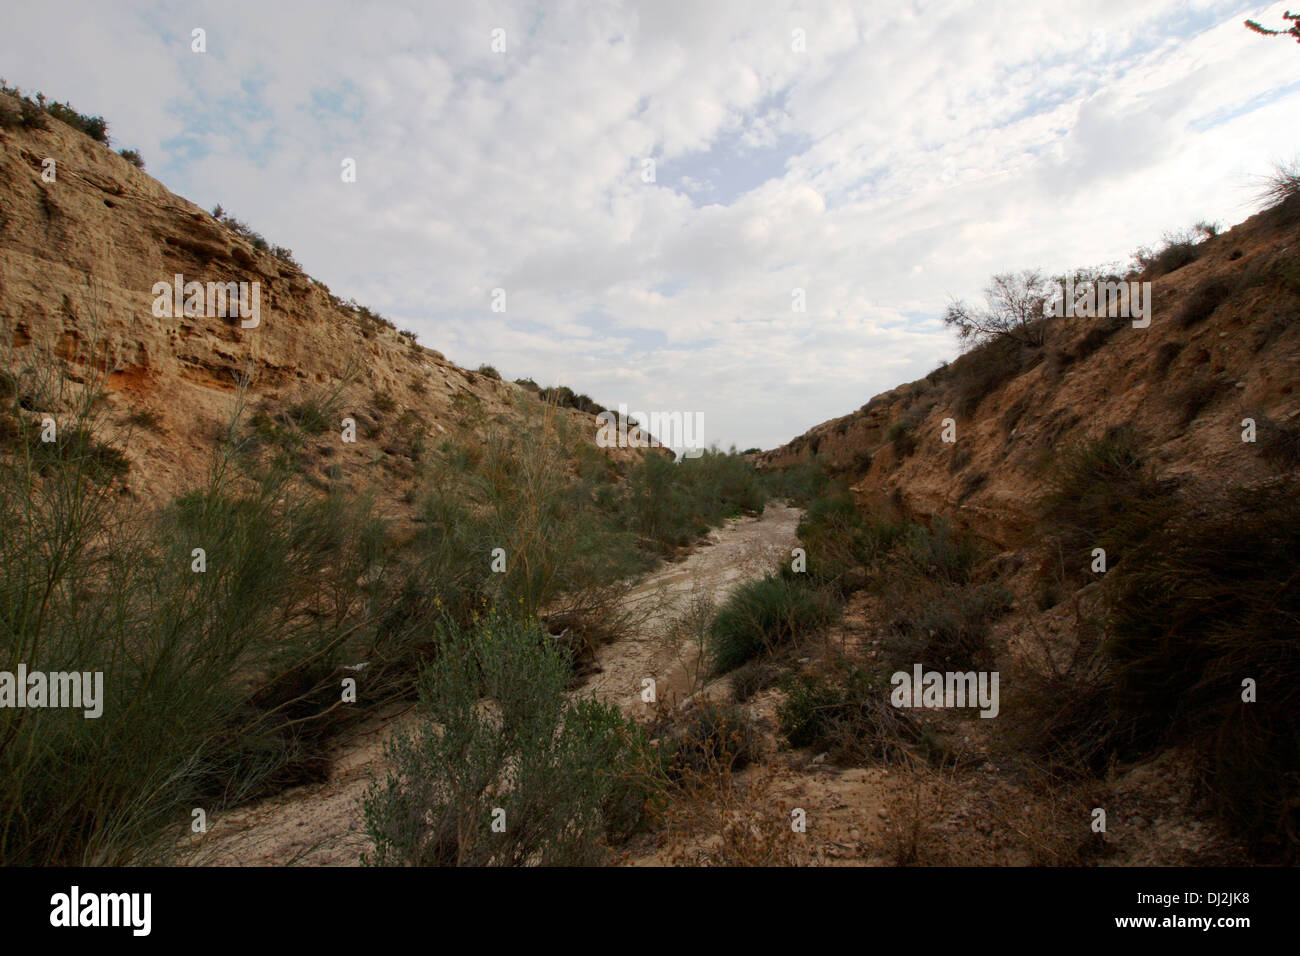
{"x": 1014, "y": 311}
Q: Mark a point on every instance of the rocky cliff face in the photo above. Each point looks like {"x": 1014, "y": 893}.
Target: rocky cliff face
{"x": 85, "y": 239}
{"x": 1223, "y": 345}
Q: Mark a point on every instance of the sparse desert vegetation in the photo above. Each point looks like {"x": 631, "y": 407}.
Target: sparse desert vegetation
{"x": 338, "y": 591}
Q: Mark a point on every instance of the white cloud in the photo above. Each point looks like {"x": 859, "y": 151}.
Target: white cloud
{"x": 912, "y": 151}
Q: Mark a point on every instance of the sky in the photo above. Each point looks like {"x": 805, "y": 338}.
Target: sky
{"x": 656, "y": 185}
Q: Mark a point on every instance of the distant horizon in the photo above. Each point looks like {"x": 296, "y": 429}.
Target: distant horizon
{"x": 867, "y": 167}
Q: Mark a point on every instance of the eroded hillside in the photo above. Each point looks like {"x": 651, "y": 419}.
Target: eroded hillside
{"x": 1223, "y": 345}
{"x": 1105, "y": 515}
{"x": 84, "y": 240}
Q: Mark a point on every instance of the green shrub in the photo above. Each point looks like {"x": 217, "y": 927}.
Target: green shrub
{"x": 562, "y": 553}
{"x": 565, "y": 397}
{"x": 501, "y": 741}
{"x": 93, "y": 126}
{"x": 1064, "y": 717}
{"x": 133, "y": 157}
{"x": 491, "y": 372}
{"x": 669, "y": 504}
{"x": 145, "y": 418}
{"x": 218, "y": 680}
{"x": 841, "y": 541}
{"x": 1213, "y": 601}
{"x": 310, "y": 416}
{"x": 798, "y": 483}
{"x": 1102, "y": 495}
{"x": 28, "y": 114}
{"x": 762, "y": 615}
{"x": 73, "y": 448}
{"x": 285, "y": 255}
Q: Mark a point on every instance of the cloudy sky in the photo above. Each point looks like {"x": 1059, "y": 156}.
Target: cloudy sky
{"x": 881, "y": 157}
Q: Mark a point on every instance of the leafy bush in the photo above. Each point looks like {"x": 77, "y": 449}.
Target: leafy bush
{"x": 798, "y": 483}
{"x": 258, "y": 241}
{"x": 32, "y": 115}
{"x": 133, "y": 157}
{"x": 27, "y": 115}
{"x": 563, "y": 555}
{"x": 1062, "y": 705}
{"x": 241, "y": 228}
{"x": 489, "y": 371}
{"x": 566, "y": 397}
{"x": 145, "y": 418}
{"x": 502, "y": 742}
{"x": 762, "y": 615}
{"x": 311, "y": 416}
{"x": 93, "y": 126}
{"x": 842, "y": 542}
{"x": 74, "y": 448}
{"x": 285, "y": 255}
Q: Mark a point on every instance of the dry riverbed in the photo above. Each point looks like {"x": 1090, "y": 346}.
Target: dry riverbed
{"x": 321, "y": 824}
